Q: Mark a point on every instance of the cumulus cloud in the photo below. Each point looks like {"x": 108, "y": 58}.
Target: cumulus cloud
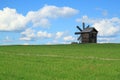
{"x": 57, "y": 38}
{"x": 59, "y": 35}
{"x": 106, "y": 27}
{"x": 105, "y": 39}
{"x": 69, "y": 38}
{"x": 86, "y": 19}
{"x": 42, "y": 16}
{"x": 28, "y": 35}
{"x": 63, "y": 37}
{"x": 7, "y": 39}
{"x": 43, "y": 34}
{"x": 103, "y": 11}
{"x": 11, "y": 20}
{"x": 55, "y": 12}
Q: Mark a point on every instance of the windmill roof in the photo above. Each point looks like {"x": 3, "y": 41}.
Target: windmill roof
{"x": 88, "y": 30}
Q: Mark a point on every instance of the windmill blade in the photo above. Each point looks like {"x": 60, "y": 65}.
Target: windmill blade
{"x": 83, "y": 25}
{"x": 79, "y": 28}
{"x": 88, "y": 26}
{"x": 79, "y": 38}
{"x": 77, "y": 33}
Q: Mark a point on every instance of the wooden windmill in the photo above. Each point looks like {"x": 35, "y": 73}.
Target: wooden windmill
{"x": 87, "y": 34}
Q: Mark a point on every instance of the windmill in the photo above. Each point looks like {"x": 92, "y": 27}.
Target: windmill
{"x": 81, "y": 30}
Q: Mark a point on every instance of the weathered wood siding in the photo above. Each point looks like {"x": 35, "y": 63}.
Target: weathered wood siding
{"x": 85, "y": 37}
{"x": 89, "y": 37}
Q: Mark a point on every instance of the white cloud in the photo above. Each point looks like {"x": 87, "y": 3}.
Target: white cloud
{"x": 69, "y": 38}
{"x": 10, "y": 20}
{"x": 61, "y": 38}
{"x": 59, "y": 34}
{"x": 42, "y": 16}
{"x": 7, "y": 39}
{"x": 105, "y": 40}
{"x": 42, "y": 22}
{"x": 105, "y": 27}
{"x": 86, "y": 19}
{"x": 44, "y": 34}
{"x": 103, "y": 11}
{"x": 55, "y": 12}
{"x": 28, "y": 35}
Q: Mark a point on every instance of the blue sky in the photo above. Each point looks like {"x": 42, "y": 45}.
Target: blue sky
{"x": 54, "y": 22}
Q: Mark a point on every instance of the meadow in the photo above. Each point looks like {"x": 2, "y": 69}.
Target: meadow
{"x": 60, "y": 62}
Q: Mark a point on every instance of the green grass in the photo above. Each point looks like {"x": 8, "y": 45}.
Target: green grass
{"x": 60, "y": 62}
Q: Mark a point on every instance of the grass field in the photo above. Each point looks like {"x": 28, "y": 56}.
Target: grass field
{"x": 60, "y": 62}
